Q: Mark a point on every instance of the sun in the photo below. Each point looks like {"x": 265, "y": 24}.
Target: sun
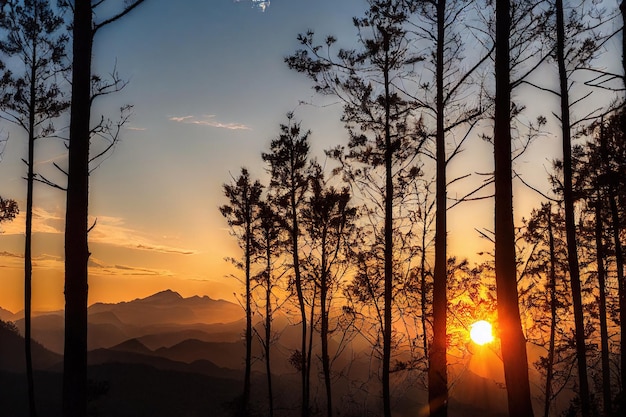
{"x": 480, "y": 332}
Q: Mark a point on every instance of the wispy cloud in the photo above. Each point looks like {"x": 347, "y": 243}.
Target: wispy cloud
{"x": 134, "y": 128}
{"x": 113, "y": 231}
{"x": 208, "y": 120}
{"x": 108, "y": 230}
{"x": 44, "y": 221}
{"x": 43, "y": 261}
{"x": 100, "y": 267}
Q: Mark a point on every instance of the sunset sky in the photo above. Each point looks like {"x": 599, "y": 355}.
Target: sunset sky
{"x": 210, "y": 88}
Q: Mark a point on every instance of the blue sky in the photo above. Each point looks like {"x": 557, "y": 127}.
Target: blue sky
{"x": 209, "y": 89}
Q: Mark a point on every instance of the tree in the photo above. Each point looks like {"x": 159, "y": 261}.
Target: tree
{"x": 613, "y": 163}
{"x": 288, "y": 160}
{"x": 8, "y": 209}
{"x": 84, "y": 28}
{"x": 242, "y": 216}
{"x": 547, "y": 297}
{"x": 600, "y": 166}
{"x": 330, "y": 222}
{"x": 449, "y": 112}
{"x": 512, "y": 338}
{"x": 269, "y": 231}
{"x": 383, "y": 142}
{"x": 32, "y": 100}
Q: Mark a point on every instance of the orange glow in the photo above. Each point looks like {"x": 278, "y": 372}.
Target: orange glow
{"x": 480, "y": 332}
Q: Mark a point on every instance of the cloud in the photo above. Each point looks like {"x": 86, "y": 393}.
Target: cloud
{"x": 43, "y": 261}
{"x": 44, "y": 221}
{"x": 259, "y": 4}
{"x": 99, "y": 267}
{"x": 137, "y": 129}
{"x": 108, "y": 230}
{"x": 112, "y": 231}
{"x": 208, "y": 120}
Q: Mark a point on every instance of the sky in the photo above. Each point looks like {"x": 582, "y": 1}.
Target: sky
{"x": 209, "y": 89}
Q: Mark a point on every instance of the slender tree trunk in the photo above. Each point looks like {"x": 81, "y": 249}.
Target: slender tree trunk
{"x": 309, "y": 354}
{"x": 553, "y": 317}
{"x": 28, "y": 256}
{"x": 619, "y": 261}
{"x": 324, "y": 326}
{"x": 248, "y": 366}
{"x": 424, "y": 296}
{"x": 512, "y": 338}
{"x": 388, "y": 296}
{"x": 437, "y": 370}
{"x": 570, "y": 227}
{"x": 295, "y": 233}
{"x": 622, "y": 8}
{"x": 268, "y": 325}
{"x": 76, "y": 221}
{"x": 604, "y": 333}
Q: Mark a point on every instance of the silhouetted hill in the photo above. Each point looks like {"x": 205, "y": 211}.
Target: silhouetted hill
{"x": 167, "y": 335}
{"x": 136, "y": 390}
{"x": 133, "y": 346}
{"x": 126, "y": 390}
{"x": 6, "y": 315}
{"x": 170, "y": 307}
{"x": 205, "y": 367}
{"x": 228, "y": 355}
{"x": 164, "y": 318}
{"x": 48, "y": 330}
{"x": 12, "y": 357}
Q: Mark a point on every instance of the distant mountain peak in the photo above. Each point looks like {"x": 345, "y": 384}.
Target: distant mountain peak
{"x": 165, "y": 295}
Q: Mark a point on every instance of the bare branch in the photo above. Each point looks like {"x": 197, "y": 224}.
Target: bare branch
{"x": 118, "y": 16}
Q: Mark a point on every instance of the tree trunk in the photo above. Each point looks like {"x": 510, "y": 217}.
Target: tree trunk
{"x": 388, "y": 253}
{"x": 512, "y": 338}
{"x": 268, "y": 324}
{"x": 622, "y": 8}
{"x": 324, "y": 326}
{"x": 248, "y": 366}
{"x": 437, "y": 369}
{"x": 28, "y": 256}
{"x": 298, "y": 281}
{"x": 619, "y": 262}
{"x": 76, "y": 226}
{"x": 553, "y": 316}
{"x": 570, "y": 227}
{"x": 604, "y": 333}
{"x": 268, "y": 338}
{"x": 424, "y": 295}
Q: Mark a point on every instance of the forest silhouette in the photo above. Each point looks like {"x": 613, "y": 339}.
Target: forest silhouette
{"x": 350, "y": 303}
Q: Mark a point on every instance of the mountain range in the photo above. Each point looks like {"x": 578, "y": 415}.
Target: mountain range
{"x": 167, "y": 355}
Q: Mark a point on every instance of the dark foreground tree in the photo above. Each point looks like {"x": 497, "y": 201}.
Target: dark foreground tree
{"x": 76, "y": 217}
{"x": 288, "y": 159}
{"x": 242, "y": 215}
{"x": 32, "y": 100}
{"x": 330, "y": 223}
{"x": 440, "y": 24}
{"x": 269, "y": 232}
{"x": 383, "y": 141}
{"x": 512, "y": 338}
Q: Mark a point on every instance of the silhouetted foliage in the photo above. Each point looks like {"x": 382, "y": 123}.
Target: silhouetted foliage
{"x": 242, "y": 214}
{"x": 288, "y": 161}
{"x": 32, "y": 100}
{"x": 384, "y": 133}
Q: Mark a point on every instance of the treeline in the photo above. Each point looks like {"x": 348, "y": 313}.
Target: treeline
{"x": 358, "y": 245}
